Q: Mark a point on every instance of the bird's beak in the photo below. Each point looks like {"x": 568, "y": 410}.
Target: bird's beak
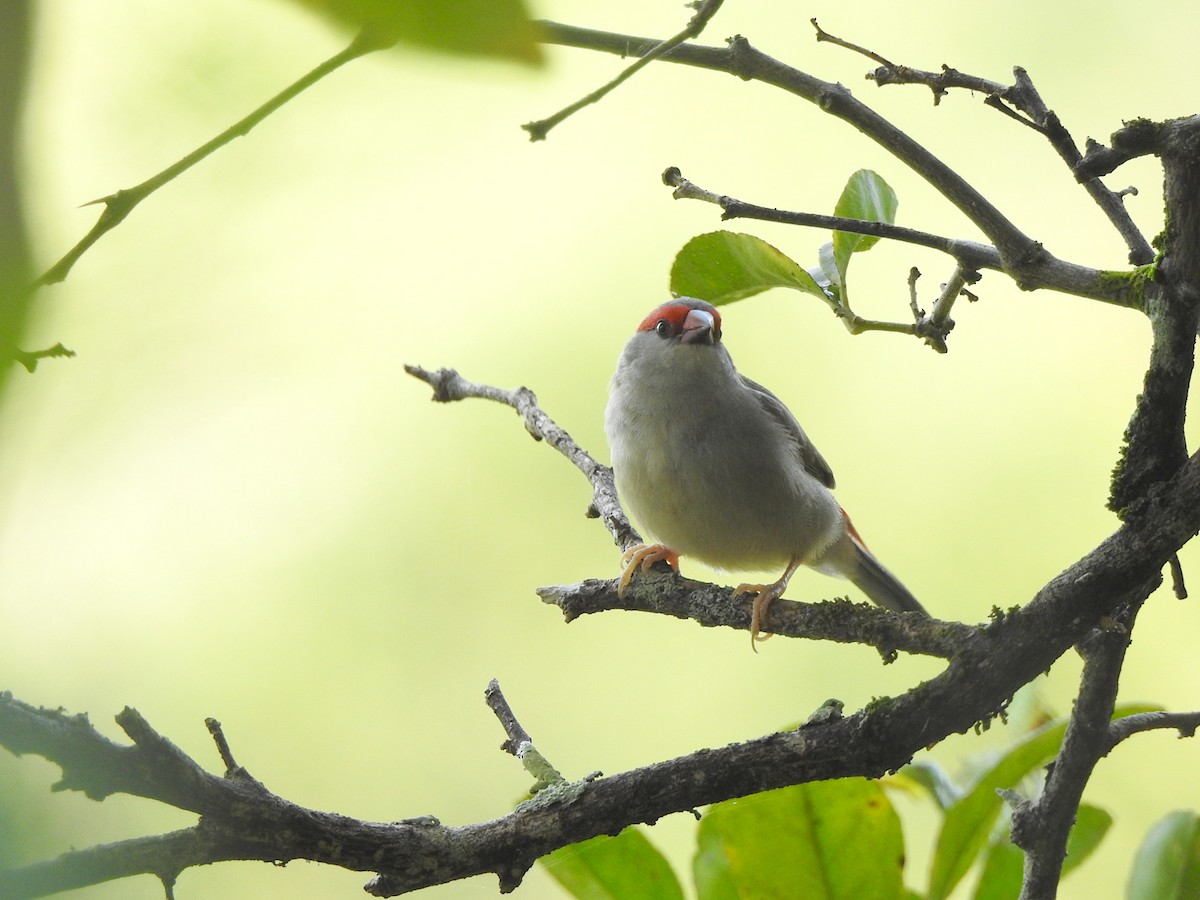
{"x": 697, "y": 327}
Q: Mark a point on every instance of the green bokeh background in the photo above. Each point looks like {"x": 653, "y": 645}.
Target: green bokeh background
{"x": 234, "y": 503}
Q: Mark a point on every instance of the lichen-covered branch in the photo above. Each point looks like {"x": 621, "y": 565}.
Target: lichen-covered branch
{"x": 243, "y": 820}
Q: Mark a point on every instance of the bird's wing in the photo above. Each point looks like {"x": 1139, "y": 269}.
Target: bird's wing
{"x": 810, "y": 457}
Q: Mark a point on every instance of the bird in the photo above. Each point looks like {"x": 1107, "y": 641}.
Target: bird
{"x": 714, "y": 467}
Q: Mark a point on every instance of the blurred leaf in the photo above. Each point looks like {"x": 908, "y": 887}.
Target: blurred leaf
{"x": 1004, "y": 867}
{"x": 724, "y": 266}
{"x": 490, "y": 28}
{"x": 1167, "y": 865}
{"x": 1091, "y": 825}
{"x": 808, "y": 841}
{"x": 1003, "y": 871}
{"x": 933, "y": 779}
{"x": 613, "y": 868}
{"x": 868, "y": 197}
{"x": 968, "y": 823}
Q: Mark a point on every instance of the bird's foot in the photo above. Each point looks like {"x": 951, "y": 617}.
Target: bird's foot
{"x": 765, "y": 595}
{"x": 643, "y": 556}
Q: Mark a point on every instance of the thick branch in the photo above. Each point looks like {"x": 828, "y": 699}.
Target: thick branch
{"x": 1155, "y": 441}
{"x": 977, "y": 684}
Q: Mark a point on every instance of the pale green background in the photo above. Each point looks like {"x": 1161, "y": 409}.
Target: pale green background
{"x": 234, "y": 503}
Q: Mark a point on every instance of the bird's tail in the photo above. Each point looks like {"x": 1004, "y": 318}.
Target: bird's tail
{"x": 868, "y": 575}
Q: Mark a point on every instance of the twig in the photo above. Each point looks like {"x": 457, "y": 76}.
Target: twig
{"x": 1178, "y": 587}
{"x": 496, "y": 701}
{"x": 519, "y": 743}
{"x": 120, "y": 204}
{"x": 951, "y": 290}
{"x": 29, "y": 359}
{"x": 1185, "y": 723}
{"x": 1021, "y": 102}
{"x": 449, "y": 386}
{"x": 971, "y": 255}
{"x": 226, "y": 754}
{"x": 705, "y": 10}
{"x": 823, "y": 35}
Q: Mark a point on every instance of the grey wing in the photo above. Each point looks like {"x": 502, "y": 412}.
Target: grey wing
{"x": 811, "y": 458}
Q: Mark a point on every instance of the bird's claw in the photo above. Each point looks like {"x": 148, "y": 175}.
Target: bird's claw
{"x": 643, "y": 556}
{"x": 764, "y": 595}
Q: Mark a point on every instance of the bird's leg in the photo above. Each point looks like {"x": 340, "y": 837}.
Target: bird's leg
{"x": 766, "y": 593}
{"x": 643, "y": 556}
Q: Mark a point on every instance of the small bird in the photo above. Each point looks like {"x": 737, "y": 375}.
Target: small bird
{"x": 715, "y": 467}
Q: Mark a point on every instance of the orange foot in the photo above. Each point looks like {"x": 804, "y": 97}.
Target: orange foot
{"x": 643, "y": 556}
{"x": 765, "y": 595}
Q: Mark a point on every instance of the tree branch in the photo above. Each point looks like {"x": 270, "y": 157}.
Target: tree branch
{"x": 245, "y": 821}
{"x": 1022, "y": 102}
{"x": 449, "y": 386}
{"x": 1049, "y": 272}
{"x": 839, "y": 620}
{"x": 119, "y": 205}
{"x": 1185, "y": 723}
{"x": 1155, "y": 442}
{"x": 1024, "y": 259}
{"x": 1041, "y": 827}
{"x": 705, "y": 10}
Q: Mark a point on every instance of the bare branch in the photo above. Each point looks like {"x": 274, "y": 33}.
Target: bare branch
{"x": 1185, "y": 723}
{"x": 120, "y": 204}
{"x": 1047, "y": 272}
{"x": 30, "y": 359}
{"x": 972, "y": 253}
{"x": 705, "y": 10}
{"x": 1022, "y": 102}
{"x": 670, "y": 594}
{"x": 1023, "y": 255}
{"x": 449, "y": 386}
{"x": 1178, "y": 587}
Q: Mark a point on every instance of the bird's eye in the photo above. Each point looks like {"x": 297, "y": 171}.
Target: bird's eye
{"x": 662, "y": 328}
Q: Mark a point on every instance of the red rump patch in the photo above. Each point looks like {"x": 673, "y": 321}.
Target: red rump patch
{"x": 675, "y": 311}
{"x": 854, "y": 535}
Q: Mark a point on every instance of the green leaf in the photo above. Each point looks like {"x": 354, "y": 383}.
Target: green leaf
{"x": 613, "y": 868}
{"x": 1167, "y": 865}
{"x": 868, "y": 197}
{"x": 1091, "y": 825}
{"x": 933, "y": 778}
{"x": 1003, "y": 871}
{"x": 968, "y": 822}
{"x": 487, "y": 28}
{"x": 808, "y": 841}
{"x": 724, "y": 266}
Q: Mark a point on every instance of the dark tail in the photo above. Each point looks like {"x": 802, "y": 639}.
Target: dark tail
{"x": 882, "y": 586}
{"x": 878, "y": 583}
